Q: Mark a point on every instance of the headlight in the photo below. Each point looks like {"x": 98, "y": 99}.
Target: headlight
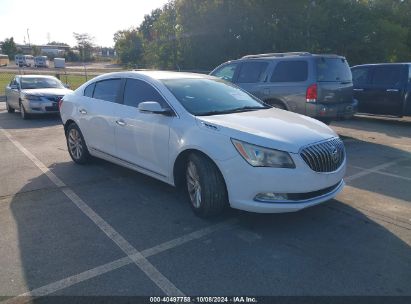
{"x": 33, "y": 97}
{"x": 258, "y": 156}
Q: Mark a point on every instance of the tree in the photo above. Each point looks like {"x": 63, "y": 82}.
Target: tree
{"x": 35, "y": 50}
{"x": 57, "y": 43}
{"x": 9, "y": 47}
{"x": 129, "y": 46}
{"x": 85, "y": 45}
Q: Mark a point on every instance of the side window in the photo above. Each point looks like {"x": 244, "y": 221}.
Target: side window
{"x": 137, "y": 91}
{"x": 290, "y": 71}
{"x": 389, "y": 76}
{"x": 107, "y": 89}
{"x": 88, "y": 91}
{"x": 360, "y": 76}
{"x": 251, "y": 72}
{"x": 226, "y": 72}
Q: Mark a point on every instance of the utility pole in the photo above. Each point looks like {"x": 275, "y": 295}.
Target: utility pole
{"x": 28, "y": 36}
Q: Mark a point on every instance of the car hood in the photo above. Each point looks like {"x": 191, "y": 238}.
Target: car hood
{"x": 47, "y": 92}
{"x": 272, "y": 128}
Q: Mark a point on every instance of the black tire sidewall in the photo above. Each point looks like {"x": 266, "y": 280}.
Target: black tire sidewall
{"x": 211, "y": 182}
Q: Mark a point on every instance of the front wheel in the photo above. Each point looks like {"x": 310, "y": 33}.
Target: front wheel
{"x": 206, "y": 188}
{"x": 23, "y": 112}
{"x": 76, "y": 145}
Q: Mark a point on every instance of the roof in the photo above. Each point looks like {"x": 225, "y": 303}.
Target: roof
{"x": 170, "y": 75}
{"x": 159, "y": 75}
{"x": 288, "y": 54}
{"x": 37, "y": 76}
{"x": 382, "y": 63}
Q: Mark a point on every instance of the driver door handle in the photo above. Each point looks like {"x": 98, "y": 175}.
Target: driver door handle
{"x": 121, "y": 122}
{"x": 392, "y": 90}
{"x": 359, "y": 90}
{"x": 82, "y": 111}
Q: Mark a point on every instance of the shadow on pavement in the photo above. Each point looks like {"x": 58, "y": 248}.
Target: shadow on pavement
{"x": 328, "y": 249}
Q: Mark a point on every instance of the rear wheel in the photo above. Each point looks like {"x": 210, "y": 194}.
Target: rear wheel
{"x": 9, "y": 109}
{"x": 76, "y": 145}
{"x": 205, "y": 186}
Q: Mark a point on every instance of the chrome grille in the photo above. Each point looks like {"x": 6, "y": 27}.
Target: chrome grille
{"x": 325, "y": 156}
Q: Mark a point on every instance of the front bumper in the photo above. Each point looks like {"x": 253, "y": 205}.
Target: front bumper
{"x": 332, "y": 111}
{"x": 305, "y": 186}
{"x": 41, "y": 107}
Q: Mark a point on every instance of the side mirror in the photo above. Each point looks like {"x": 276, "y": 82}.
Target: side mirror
{"x": 66, "y": 85}
{"x": 153, "y": 107}
{"x": 14, "y": 87}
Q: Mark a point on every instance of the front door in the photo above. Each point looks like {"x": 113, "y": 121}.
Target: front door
{"x": 142, "y": 138}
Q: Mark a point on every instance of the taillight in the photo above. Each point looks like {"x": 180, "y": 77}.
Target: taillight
{"x": 311, "y": 94}
{"x": 60, "y": 103}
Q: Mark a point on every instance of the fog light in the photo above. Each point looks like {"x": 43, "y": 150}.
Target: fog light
{"x": 270, "y": 196}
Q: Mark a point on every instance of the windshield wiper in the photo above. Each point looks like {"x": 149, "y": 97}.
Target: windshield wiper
{"x": 237, "y": 110}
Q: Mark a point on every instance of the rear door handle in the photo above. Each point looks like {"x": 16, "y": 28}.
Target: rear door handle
{"x": 358, "y": 90}
{"x": 121, "y": 122}
{"x": 82, "y": 111}
{"x": 392, "y": 90}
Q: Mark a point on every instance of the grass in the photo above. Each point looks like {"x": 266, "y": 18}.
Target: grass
{"x": 73, "y": 80}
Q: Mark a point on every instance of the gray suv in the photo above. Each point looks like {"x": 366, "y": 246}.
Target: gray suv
{"x": 315, "y": 85}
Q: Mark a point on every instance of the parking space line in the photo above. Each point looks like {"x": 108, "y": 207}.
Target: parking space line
{"x": 382, "y": 173}
{"x": 105, "y": 268}
{"x": 375, "y": 169}
{"x": 149, "y": 269}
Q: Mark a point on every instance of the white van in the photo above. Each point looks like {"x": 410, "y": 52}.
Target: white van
{"x": 41, "y": 62}
{"x": 24, "y": 60}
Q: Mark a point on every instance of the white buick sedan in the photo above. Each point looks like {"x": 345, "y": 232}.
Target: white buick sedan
{"x": 221, "y": 145}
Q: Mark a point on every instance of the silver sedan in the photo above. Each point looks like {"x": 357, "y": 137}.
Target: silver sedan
{"x": 34, "y": 94}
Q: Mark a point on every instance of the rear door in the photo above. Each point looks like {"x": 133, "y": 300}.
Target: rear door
{"x": 252, "y": 77}
{"x": 334, "y": 80}
{"x": 97, "y": 114}
{"x": 363, "y": 90}
{"x": 288, "y": 83}
{"x": 388, "y": 83}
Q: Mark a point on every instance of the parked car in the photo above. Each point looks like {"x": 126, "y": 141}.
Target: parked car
{"x": 41, "y": 62}
{"x": 34, "y": 94}
{"x": 24, "y": 60}
{"x": 318, "y": 86}
{"x": 4, "y": 60}
{"x": 383, "y": 88}
{"x": 219, "y": 143}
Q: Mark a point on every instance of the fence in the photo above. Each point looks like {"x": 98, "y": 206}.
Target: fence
{"x": 73, "y": 78}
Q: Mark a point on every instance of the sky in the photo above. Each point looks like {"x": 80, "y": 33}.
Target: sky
{"x": 48, "y": 20}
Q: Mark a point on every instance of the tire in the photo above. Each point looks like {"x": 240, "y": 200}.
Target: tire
{"x": 23, "y": 112}
{"x": 8, "y": 108}
{"x": 76, "y": 145}
{"x": 205, "y": 186}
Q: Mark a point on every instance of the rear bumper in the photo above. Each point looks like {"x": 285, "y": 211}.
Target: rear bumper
{"x": 332, "y": 111}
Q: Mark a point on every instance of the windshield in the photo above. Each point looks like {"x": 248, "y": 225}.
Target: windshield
{"x": 40, "y": 83}
{"x": 333, "y": 69}
{"x": 211, "y": 96}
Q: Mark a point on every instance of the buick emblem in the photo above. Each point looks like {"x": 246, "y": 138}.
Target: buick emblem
{"x": 334, "y": 154}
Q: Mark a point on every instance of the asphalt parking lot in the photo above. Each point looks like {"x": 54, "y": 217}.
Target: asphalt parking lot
{"x": 105, "y": 230}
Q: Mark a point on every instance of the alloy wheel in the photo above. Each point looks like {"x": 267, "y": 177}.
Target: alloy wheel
{"x": 75, "y": 143}
{"x": 193, "y": 185}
